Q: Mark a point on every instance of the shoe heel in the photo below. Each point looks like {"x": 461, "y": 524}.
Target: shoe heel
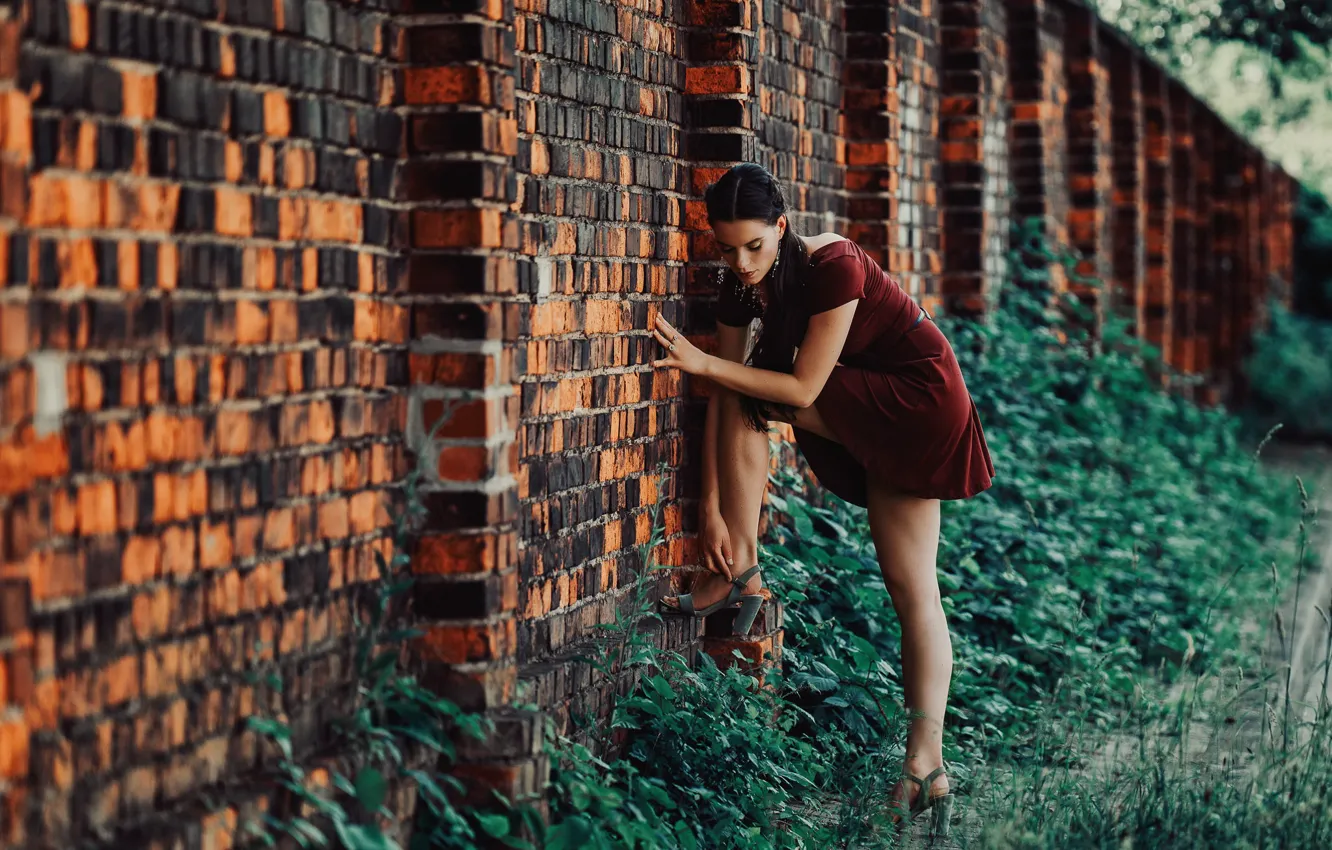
{"x": 749, "y": 608}
{"x": 941, "y": 822}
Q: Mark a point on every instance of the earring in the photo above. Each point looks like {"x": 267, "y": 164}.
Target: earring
{"x": 778, "y": 259}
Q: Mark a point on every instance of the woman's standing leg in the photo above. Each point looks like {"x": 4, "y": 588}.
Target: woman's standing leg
{"x": 905, "y": 530}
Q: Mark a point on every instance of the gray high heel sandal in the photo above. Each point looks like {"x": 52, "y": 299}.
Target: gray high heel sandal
{"x": 750, "y": 603}
{"x": 940, "y": 807}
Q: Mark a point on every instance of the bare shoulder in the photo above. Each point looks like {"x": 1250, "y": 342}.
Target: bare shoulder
{"x": 814, "y": 243}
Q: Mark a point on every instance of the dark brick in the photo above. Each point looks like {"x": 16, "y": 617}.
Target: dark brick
{"x": 196, "y": 211}
{"x": 18, "y": 250}
{"x": 189, "y": 321}
{"x": 65, "y": 81}
{"x": 102, "y": 570}
{"x": 109, "y": 324}
{"x": 107, "y": 268}
{"x": 247, "y": 112}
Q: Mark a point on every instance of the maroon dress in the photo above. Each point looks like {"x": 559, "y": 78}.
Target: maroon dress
{"x": 896, "y": 400}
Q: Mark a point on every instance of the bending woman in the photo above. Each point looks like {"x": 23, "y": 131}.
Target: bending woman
{"x": 879, "y": 408}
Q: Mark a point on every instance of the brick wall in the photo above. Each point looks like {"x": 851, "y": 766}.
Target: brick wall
{"x": 202, "y": 359}
{"x": 252, "y": 254}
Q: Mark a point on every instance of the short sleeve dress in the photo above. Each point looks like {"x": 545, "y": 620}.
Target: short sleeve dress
{"x": 896, "y": 401}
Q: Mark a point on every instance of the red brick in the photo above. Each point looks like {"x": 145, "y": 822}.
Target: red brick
{"x": 215, "y": 549}
{"x": 333, "y": 519}
{"x": 13, "y": 750}
{"x": 277, "y": 114}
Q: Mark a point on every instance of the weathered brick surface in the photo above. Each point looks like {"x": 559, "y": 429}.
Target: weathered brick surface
{"x": 918, "y": 262}
{"x": 1202, "y": 290}
{"x": 252, "y": 254}
{"x": 872, "y": 125}
{"x": 1159, "y": 291}
{"x": 202, "y": 349}
{"x": 1090, "y": 146}
{"x": 1129, "y": 177}
{"x": 1184, "y": 197}
{"x": 1038, "y": 144}
{"x": 974, "y": 128}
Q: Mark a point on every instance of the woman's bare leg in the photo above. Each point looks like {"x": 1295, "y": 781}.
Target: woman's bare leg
{"x": 906, "y": 537}
{"x": 742, "y": 476}
{"x": 905, "y": 530}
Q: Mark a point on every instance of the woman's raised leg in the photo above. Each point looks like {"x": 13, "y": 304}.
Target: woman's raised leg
{"x": 742, "y": 476}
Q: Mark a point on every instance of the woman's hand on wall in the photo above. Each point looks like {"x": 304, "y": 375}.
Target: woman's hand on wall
{"x": 680, "y": 352}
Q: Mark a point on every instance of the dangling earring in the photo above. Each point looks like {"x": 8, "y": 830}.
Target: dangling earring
{"x": 777, "y": 261}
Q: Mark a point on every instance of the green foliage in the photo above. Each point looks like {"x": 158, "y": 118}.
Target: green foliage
{"x": 1283, "y": 30}
{"x": 1291, "y": 373}
{"x": 1313, "y": 257}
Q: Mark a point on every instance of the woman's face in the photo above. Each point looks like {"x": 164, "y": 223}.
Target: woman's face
{"x": 749, "y": 246}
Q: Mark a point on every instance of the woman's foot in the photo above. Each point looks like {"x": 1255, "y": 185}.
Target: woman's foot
{"x": 710, "y": 588}
{"x": 905, "y": 792}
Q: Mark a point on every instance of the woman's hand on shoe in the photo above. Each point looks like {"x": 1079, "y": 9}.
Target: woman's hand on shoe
{"x": 714, "y": 541}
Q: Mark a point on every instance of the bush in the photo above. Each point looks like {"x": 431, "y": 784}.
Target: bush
{"x": 1291, "y": 374}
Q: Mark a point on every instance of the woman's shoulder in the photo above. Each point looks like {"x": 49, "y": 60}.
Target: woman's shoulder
{"x": 825, "y": 243}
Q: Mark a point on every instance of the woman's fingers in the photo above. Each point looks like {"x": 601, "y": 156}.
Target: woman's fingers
{"x": 710, "y": 563}
{"x": 725, "y": 564}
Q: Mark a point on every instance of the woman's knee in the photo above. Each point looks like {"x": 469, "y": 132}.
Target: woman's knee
{"x": 912, "y": 596}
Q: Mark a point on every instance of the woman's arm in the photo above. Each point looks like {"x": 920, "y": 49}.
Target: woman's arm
{"x": 814, "y": 361}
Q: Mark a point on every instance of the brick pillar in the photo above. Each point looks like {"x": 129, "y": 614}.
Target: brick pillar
{"x": 1227, "y": 240}
{"x": 974, "y": 152}
{"x": 23, "y": 455}
{"x": 1090, "y": 145}
{"x": 873, "y": 128}
{"x": 1159, "y": 306}
{"x": 1183, "y": 275}
{"x": 1204, "y": 257}
{"x": 1039, "y": 150}
{"x": 462, "y": 275}
{"x": 1252, "y": 281}
{"x": 1284, "y": 189}
{"x": 1130, "y": 183}
{"x": 916, "y": 260}
{"x": 728, "y": 108}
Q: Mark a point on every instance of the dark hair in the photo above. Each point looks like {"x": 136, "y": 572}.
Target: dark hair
{"x": 750, "y": 192}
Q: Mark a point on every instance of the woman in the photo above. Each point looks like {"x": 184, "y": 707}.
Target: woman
{"x": 879, "y": 408}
